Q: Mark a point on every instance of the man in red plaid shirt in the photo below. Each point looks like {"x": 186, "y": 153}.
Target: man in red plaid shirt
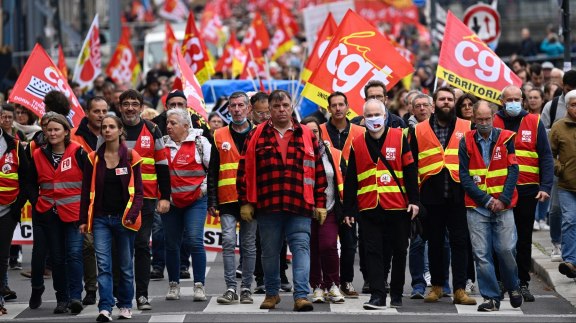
{"x": 281, "y": 180}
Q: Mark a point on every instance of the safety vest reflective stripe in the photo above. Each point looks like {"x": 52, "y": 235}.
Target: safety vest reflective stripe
{"x": 229, "y": 156}
{"x": 186, "y": 174}
{"x": 145, "y": 146}
{"x": 429, "y": 152}
{"x": 227, "y": 181}
{"x": 229, "y": 166}
{"x": 183, "y": 189}
{"x": 526, "y": 153}
{"x": 7, "y": 189}
{"x": 11, "y": 176}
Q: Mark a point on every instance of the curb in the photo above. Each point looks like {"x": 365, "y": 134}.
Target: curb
{"x": 548, "y": 271}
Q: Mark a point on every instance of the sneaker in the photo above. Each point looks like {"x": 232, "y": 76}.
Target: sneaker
{"x": 173, "y": 291}
{"x": 469, "y": 287}
{"x": 348, "y": 290}
{"x": 184, "y": 274}
{"x": 303, "y": 305}
{"x": 366, "y": 288}
{"x": 489, "y": 305}
{"x": 428, "y": 279}
{"x": 515, "y": 298}
{"x": 567, "y": 269}
{"x": 556, "y": 255}
{"x": 104, "y": 316}
{"x": 36, "y": 297}
{"x": 536, "y": 226}
{"x": 143, "y": 304}
{"x": 125, "y": 313}
{"x": 528, "y": 297}
{"x": 318, "y": 295}
{"x": 229, "y": 297}
{"x": 246, "y": 296}
{"x": 90, "y": 298}
{"x": 199, "y": 292}
{"x": 396, "y": 301}
{"x": 260, "y": 289}
{"x": 61, "y": 308}
{"x": 375, "y": 303}
{"x": 544, "y": 226}
{"x": 156, "y": 274}
{"x": 8, "y": 294}
{"x": 75, "y": 306}
{"x": 334, "y": 295}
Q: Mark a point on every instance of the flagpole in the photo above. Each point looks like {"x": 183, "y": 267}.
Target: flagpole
{"x": 305, "y": 58}
{"x": 252, "y": 79}
{"x": 257, "y": 76}
{"x": 268, "y": 75}
{"x": 213, "y": 93}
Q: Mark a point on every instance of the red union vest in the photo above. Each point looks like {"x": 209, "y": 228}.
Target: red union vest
{"x": 144, "y": 146}
{"x": 355, "y": 131}
{"x": 492, "y": 179}
{"x": 432, "y": 157}
{"x": 62, "y": 186}
{"x": 186, "y": 175}
{"x": 9, "y": 186}
{"x": 525, "y": 145}
{"x": 136, "y": 159}
{"x": 229, "y": 157}
{"x": 336, "y": 157}
{"x": 376, "y": 186}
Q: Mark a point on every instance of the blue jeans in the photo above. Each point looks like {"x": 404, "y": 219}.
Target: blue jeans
{"x": 496, "y": 232}
{"x": 106, "y": 228}
{"x": 158, "y": 254}
{"x": 555, "y": 215}
{"x": 542, "y": 209}
{"x": 247, "y": 248}
{"x": 568, "y": 206}
{"x": 274, "y": 227}
{"x": 188, "y": 224}
{"x": 74, "y": 259}
{"x": 418, "y": 264}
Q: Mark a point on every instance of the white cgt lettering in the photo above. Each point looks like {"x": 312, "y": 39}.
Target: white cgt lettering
{"x": 488, "y": 65}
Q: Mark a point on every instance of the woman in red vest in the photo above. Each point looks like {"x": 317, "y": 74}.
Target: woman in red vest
{"x": 113, "y": 171}
{"x": 324, "y": 260}
{"x": 188, "y": 159}
{"x": 55, "y": 189}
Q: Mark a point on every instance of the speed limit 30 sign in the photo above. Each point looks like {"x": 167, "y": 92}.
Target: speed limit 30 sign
{"x": 484, "y": 21}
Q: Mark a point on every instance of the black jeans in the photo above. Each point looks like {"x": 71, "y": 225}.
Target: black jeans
{"x": 524, "y": 214}
{"x": 7, "y": 226}
{"x": 385, "y": 238}
{"x": 348, "y": 245}
{"x": 142, "y": 249}
{"x": 451, "y": 216}
{"x": 89, "y": 255}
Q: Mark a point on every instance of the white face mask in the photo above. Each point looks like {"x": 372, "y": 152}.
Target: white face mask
{"x": 374, "y": 124}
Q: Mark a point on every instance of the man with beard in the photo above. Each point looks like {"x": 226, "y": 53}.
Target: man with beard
{"x": 435, "y": 144}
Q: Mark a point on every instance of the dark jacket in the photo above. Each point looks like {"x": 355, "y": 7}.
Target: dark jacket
{"x": 83, "y": 131}
{"x": 23, "y": 166}
{"x": 338, "y": 207}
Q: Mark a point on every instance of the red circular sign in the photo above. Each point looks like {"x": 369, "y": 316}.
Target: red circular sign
{"x": 483, "y": 20}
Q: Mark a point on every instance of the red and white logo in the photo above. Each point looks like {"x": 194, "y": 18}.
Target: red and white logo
{"x": 526, "y": 136}
{"x": 145, "y": 142}
{"x": 66, "y": 164}
{"x": 390, "y": 153}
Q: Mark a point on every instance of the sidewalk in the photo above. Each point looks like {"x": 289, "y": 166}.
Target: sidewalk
{"x": 547, "y": 270}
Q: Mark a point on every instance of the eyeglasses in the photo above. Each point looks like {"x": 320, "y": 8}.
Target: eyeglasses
{"x": 127, "y": 104}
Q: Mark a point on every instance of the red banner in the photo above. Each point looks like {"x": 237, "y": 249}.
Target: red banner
{"x": 171, "y": 46}
{"x": 377, "y": 11}
{"x": 62, "y": 62}
{"x": 40, "y": 76}
{"x": 469, "y": 64}
{"x": 89, "y": 64}
{"x": 191, "y": 88}
{"x": 280, "y": 15}
{"x": 195, "y": 53}
{"x": 124, "y": 66}
{"x": 257, "y": 33}
{"x": 211, "y": 25}
{"x": 224, "y": 64}
{"x": 357, "y": 54}
{"x": 325, "y": 34}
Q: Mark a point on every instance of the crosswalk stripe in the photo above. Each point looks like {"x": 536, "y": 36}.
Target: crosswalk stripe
{"x": 505, "y": 308}
{"x": 354, "y": 305}
{"x": 214, "y": 307}
{"x": 167, "y": 318}
{"x": 13, "y": 310}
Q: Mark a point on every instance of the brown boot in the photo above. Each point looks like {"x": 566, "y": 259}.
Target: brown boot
{"x": 270, "y": 302}
{"x": 434, "y": 294}
{"x": 460, "y": 297}
{"x": 303, "y": 305}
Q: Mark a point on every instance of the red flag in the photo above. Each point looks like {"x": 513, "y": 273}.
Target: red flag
{"x": 195, "y": 53}
{"x": 281, "y": 43}
{"x": 254, "y": 67}
{"x": 40, "y": 76}
{"x": 377, "y": 11}
{"x": 171, "y": 46}
{"x": 89, "y": 64}
{"x": 323, "y": 38}
{"x": 357, "y": 54}
{"x": 62, "y": 62}
{"x": 468, "y": 63}
{"x": 211, "y": 24}
{"x": 191, "y": 88}
{"x": 257, "y": 33}
{"x": 124, "y": 66}
{"x": 280, "y": 15}
{"x": 174, "y": 10}
{"x": 224, "y": 64}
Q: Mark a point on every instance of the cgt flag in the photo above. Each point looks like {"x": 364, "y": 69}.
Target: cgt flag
{"x": 62, "y": 62}
{"x": 195, "y": 53}
{"x": 89, "y": 64}
{"x": 357, "y": 53}
{"x": 469, "y": 64}
{"x": 325, "y": 34}
{"x": 191, "y": 88}
{"x": 40, "y": 76}
{"x": 257, "y": 33}
{"x": 124, "y": 66}
{"x": 171, "y": 46}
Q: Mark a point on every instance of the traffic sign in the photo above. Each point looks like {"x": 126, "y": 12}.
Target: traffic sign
{"x": 484, "y": 21}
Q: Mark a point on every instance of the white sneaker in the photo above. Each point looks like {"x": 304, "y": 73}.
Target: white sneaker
{"x": 318, "y": 295}
{"x": 536, "y": 226}
{"x": 125, "y": 314}
{"x": 428, "y": 279}
{"x": 173, "y": 291}
{"x": 469, "y": 287}
{"x": 556, "y": 255}
{"x": 104, "y": 316}
{"x": 334, "y": 295}
{"x": 544, "y": 226}
{"x": 199, "y": 293}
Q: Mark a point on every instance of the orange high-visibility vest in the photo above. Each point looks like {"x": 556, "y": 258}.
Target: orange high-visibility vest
{"x": 229, "y": 157}
{"x": 136, "y": 159}
{"x": 355, "y": 131}
{"x": 62, "y": 186}
{"x": 376, "y": 186}
{"x": 9, "y": 186}
{"x": 525, "y": 145}
{"x": 186, "y": 175}
{"x": 490, "y": 179}
{"x": 144, "y": 146}
{"x": 81, "y": 141}
{"x": 336, "y": 157}
{"x": 432, "y": 157}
